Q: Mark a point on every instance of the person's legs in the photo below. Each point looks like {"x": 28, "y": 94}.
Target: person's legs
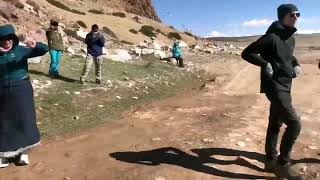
{"x": 274, "y": 126}
{"x": 98, "y": 64}
{"x": 181, "y": 62}
{"x": 53, "y": 55}
{"x": 58, "y": 57}
{"x": 293, "y": 129}
{"x": 86, "y": 68}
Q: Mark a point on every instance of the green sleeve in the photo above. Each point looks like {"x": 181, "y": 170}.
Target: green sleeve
{"x": 40, "y": 50}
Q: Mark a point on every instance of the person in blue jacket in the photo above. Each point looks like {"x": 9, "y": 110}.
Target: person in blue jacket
{"x": 95, "y": 43}
{"x": 177, "y": 54}
{"x": 18, "y": 128}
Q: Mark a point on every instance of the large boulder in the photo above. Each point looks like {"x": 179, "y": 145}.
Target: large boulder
{"x": 81, "y": 34}
{"x": 155, "y": 45}
{"x": 35, "y": 60}
{"x": 160, "y": 54}
{"x": 136, "y": 51}
{"x": 182, "y": 44}
{"x": 118, "y": 55}
{"x": 147, "y": 51}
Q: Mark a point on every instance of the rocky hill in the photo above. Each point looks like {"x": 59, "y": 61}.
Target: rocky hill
{"x": 143, "y": 8}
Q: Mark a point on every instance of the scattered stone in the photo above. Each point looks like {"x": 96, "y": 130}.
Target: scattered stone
{"x": 76, "y": 117}
{"x": 120, "y": 55}
{"x": 67, "y": 92}
{"x": 48, "y": 83}
{"x": 81, "y": 34}
{"x": 156, "y": 139}
{"x": 66, "y": 178}
{"x": 35, "y": 60}
{"x": 77, "y": 93}
{"x": 137, "y": 19}
{"x": 313, "y": 147}
{"x": 135, "y": 98}
{"x": 126, "y": 79}
{"x": 315, "y": 174}
{"x": 303, "y": 170}
{"x": 35, "y": 81}
{"x": 208, "y": 140}
{"x": 71, "y": 51}
{"x": 118, "y": 97}
{"x": 56, "y": 104}
{"x": 159, "y": 178}
{"x": 101, "y": 106}
{"x": 241, "y": 144}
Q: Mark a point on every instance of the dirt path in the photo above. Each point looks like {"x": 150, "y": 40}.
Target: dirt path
{"x": 208, "y": 134}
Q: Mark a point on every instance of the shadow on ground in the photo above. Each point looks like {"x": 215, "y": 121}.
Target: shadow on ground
{"x": 174, "y": 156}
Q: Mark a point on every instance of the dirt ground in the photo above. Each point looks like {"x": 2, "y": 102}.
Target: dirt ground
{"x": 212, "y": 133}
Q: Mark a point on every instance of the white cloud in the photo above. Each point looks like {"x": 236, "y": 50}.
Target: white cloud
{"x": 308, "y": 31}
{"x": 309, "y": 20}
{"x": 216, "y": 34}
{"x": 257, "y": 23}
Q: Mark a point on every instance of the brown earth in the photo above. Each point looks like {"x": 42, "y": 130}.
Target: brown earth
{"x": 214, "y": 133}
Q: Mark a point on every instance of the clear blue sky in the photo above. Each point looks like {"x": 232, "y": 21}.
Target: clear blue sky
{"x": 233, "y": 17}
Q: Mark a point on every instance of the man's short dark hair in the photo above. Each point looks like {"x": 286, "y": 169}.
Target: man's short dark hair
{"x": 95, "y": 26}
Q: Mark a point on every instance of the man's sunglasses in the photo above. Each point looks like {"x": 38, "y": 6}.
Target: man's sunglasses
{"x": 294, "y": 15}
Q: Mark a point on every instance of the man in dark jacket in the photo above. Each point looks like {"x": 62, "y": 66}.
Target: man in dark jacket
{"x": 273, "y": 52}
{"x": 95, "y": 42}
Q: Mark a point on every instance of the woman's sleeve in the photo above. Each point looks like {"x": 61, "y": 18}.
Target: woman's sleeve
{"x": 40, "y": 50}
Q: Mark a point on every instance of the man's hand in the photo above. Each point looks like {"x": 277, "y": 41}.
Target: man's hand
{"x": 268, "y": 71}
{"x": 297, "y": 71}
{"x": 31, "y": 43}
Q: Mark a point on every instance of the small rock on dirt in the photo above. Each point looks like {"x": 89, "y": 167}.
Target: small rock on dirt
{"x": 208, "y": 140}
{"x": 303, "y": 170}
{"x": 35, "y": 81}
{"x": 76, "y": 117}
{"x": 66, "y": 178}
{"x": 156, "y": 139}
{"x": 159, "y": 178}
{"x": 313, "y": 147}
{"x": 101, "y": 106}
{"x": 118, "y": 97}
{"x": 135, "y": 98}
{"x": 241, "y": 144}
{"x": 77, "y": 93}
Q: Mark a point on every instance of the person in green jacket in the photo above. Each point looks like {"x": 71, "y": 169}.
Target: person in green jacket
{"x": 18, "y": 129}
{"x": 55, "y": 43}
{"x": 177, "y": 54}
{"x": 273, "y": 53}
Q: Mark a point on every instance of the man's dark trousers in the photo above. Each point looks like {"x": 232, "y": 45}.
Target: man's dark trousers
{"x": 281, "y": 111}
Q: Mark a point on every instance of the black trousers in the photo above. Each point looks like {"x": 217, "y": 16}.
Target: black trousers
{"x": 281, "y": 112}
{"x": 179, "y": 61}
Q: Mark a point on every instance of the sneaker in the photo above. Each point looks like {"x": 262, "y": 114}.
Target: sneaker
{"x": 286, "y": 172}
{"x": 98, "y": 81}
{"x": 270, "y": 165}
{"x": 4, "y": 162}
{"x": 82, "y": 81}
{"x": 23, "y": 160}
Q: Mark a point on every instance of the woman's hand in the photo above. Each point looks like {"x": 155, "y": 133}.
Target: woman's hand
{"x": 31, "y": 43}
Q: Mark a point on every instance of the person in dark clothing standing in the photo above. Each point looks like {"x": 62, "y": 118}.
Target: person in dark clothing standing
{"x": 18, "y": 128}
{"x": 273, "y": 52}
{"x": 55, "y": 43}
{"x": 95, "y": 42}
